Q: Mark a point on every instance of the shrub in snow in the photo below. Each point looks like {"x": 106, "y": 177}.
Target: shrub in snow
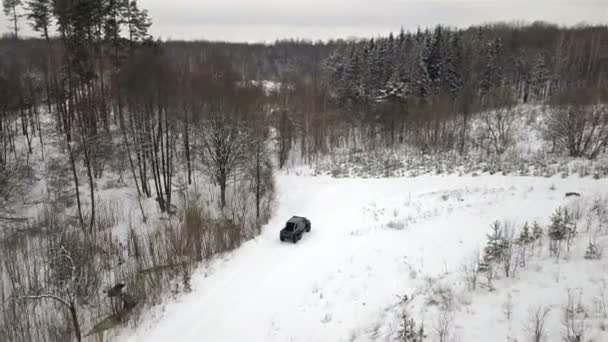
{"x": 501, "y": 251}
{"x": 470, "y": 271}
{"x": 507, "y": 307}
{"x": 574, "y": 319}
{"x": 439, "y": 293}
{"x": 388, "y": 163}
{"x": 444, "y": 324}
{"x": 537, "y": 317}
{"x": 562, "y": 227}
{"x": 409, "y": 331}
{"x": 114, "y": 184}
{"x": 584, "y": 171}
{"x": 338, "y": 171}
{"x": 577, "y": 209}
{"x": 398, "y": 225}
{"x": 593, "y": 251}
{"x": 537, "y": 234}
{"x": 525, "y": 241}
{"x": 599, "y": 214}
{"x": 537, "y": 231}
{"x": 511, "y": 257}
{"x": 577, "y": 127}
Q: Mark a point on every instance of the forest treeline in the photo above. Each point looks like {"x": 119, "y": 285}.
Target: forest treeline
{"x": 420, "y": 88}
{"x": 95, "y": 95}
{"x": 433, "y": 78}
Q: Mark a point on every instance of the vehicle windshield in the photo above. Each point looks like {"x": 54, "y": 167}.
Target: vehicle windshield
{"x": 290, "y": 226}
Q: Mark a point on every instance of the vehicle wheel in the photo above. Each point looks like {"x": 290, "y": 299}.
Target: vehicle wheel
{"x": 294, "y": 239}
{"x": 308, "y": 228}
{"x": 282, "y": 239}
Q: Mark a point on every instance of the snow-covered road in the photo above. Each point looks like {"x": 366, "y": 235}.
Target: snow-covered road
{"x": 371, "y": 240}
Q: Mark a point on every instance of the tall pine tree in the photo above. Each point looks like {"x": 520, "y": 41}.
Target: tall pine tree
{"x": 11, "y": 10}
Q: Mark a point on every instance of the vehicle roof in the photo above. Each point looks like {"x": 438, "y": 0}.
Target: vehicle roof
{"x": 295, "y": 219}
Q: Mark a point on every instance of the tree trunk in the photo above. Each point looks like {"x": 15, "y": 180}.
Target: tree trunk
{"x": 131, "y": 164}
{"x": 87, "y": 159}
{"x": 15, "y": 22}
{"x": 75, "y": 174}
{"x": 187, "y": 146}
{"x": 75, "y": 323}
{"x": 223, "y": 185}
{"x": 168, "y": 162}
{"x": 257, "y": 182}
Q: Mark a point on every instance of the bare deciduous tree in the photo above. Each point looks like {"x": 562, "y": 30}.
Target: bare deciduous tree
{"x": 537, "y": 317}
{"x": 574, "y": 319}
{"x": 500, "y": 122}
{"x": 578, "y": 122}
{"x": 470, "y": 270}
{"x": 227, "y": 146}
{"x": 444, "y": 325}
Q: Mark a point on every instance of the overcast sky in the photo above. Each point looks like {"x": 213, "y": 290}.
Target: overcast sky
{"x": 267, "y": 20}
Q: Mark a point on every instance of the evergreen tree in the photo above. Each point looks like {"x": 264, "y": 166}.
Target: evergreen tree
{"x": 495, "y": 247}
{"x": 563, "y": 227}
{"x": 401, "y": 38}
{"x": 434, "y": 59}
{"x": 137, "y": 20}
{"x": 39, "y": 15}
{"x": 453, "y": 81}
{"x": 492, "y": 74}
{"x": 558, "y": 227}
{"x": 391, "y": 59}
{"x": 348, "y": 72}
{"x": 379, "y": 66}
{"x": 369, "y": 79}
{"x": 525, "y": 236}
{"x": 540, "y": 77}
{"x": 420, "y": 80}
{"x": 537, "y": 231}
{"x": 12, "y": 12}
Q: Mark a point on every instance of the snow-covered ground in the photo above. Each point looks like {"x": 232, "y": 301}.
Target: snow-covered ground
{"x": 372, "y": 240}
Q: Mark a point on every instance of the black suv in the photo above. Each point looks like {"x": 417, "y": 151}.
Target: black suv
{"x": 294, "y": 229}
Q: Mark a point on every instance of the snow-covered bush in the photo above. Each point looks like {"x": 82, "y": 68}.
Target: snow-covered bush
{"x": 577, "y": 126}
{"x": 563, "y": 227}
{"x": 409, "y": 330}
{"x": 574, "y": 319}
{"x": 394, "y": 163}
{"x": 439, "y": 292}
{"x": 470, "y": 271}
{"x": 444, "y": 326}
{"x": 593, "y": 252}
{"x": 535, "y": 326}
{"x": 394, "y": 224}
{"x": 525, "y": 241}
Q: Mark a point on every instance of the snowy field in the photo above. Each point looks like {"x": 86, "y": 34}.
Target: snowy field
{"x": 372, "y": 240}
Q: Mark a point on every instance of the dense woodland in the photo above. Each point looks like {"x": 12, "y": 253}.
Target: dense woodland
{"x": 95, "y": 96}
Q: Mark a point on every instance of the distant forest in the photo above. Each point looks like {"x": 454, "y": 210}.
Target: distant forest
{"x": 418, "y": 87}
